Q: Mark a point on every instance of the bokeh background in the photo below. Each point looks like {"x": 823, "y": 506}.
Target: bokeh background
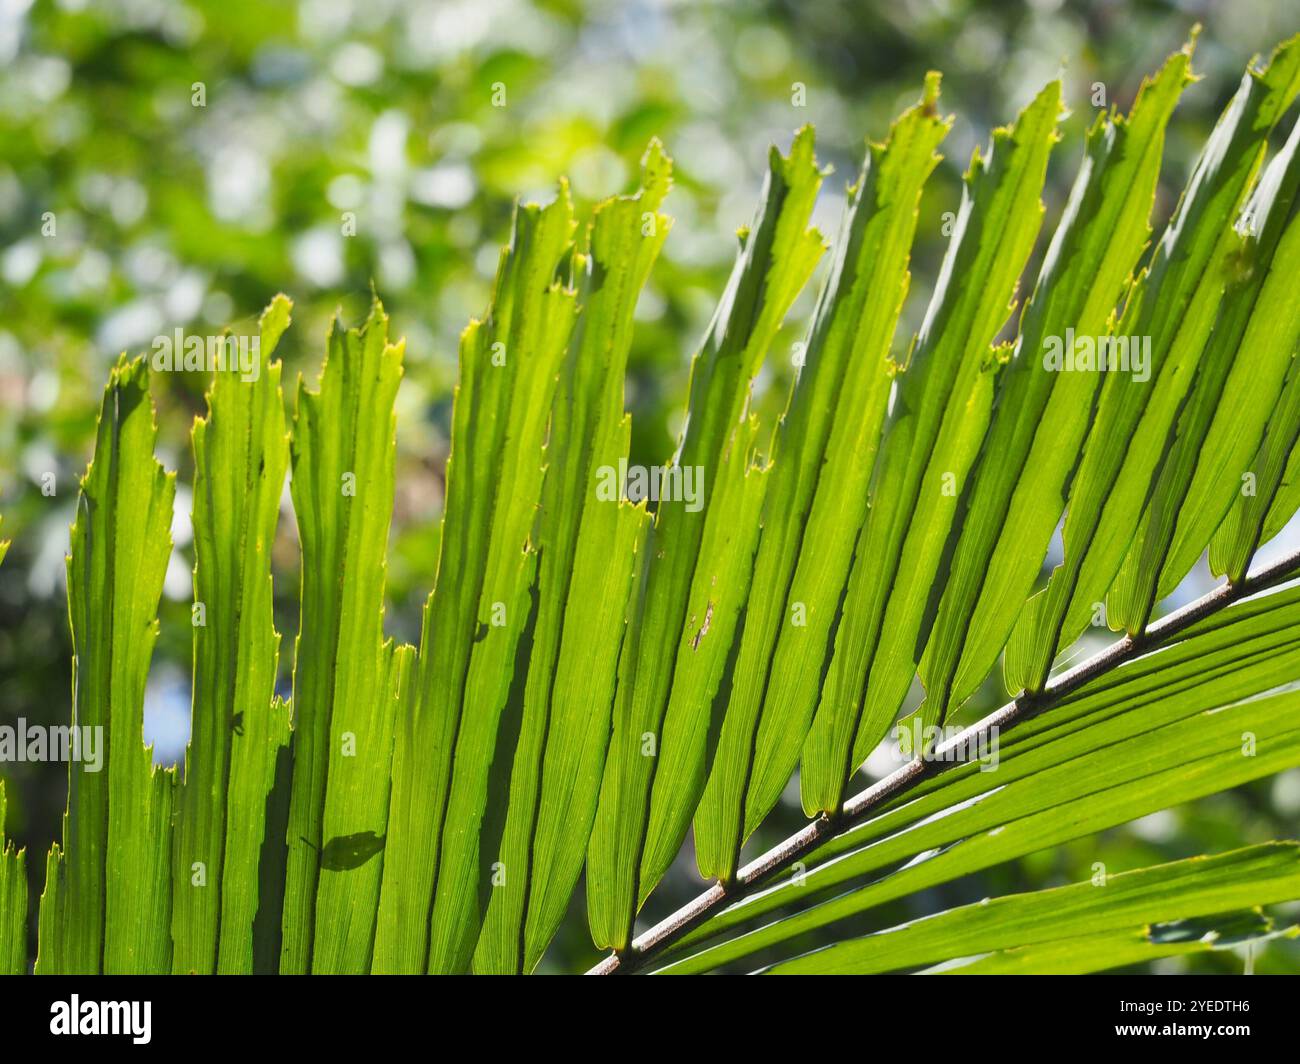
{"x": 167, "y": 214}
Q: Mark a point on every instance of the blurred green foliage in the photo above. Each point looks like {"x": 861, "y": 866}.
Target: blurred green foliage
{"x": 175, "y": 163}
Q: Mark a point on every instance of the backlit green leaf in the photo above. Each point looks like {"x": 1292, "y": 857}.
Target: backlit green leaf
{"x": 825, "y": 446}
{"x": 776, "y": 258}
{"x": 1181, "y": 890}
{"x": 109, "y": 899}
{"x": 241, "y": 453}
{"x": 344, "y": 692}
{"x": 935, "y": 427}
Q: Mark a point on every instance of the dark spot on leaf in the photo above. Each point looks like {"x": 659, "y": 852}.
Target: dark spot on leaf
{"x": 237, "y": 723}
{"x": 345, "y": 852}
{"x": 480, "y": 632}
{"x": 1224, "y": 929}
{"x": 704, "y": 628}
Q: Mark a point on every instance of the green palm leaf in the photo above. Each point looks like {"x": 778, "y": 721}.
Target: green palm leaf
{"x": 584, "y": 543}
{"x": 347, "y": 679}
{"x": 940, "y": 413}
{"x": 1117, "y": 949}
{"x": 13, "y": 902}
{"x": 777, "y": 256}
{"x": 13, "y": 888}
{"x": 599, "y": 671}
{"x": 1182, "y": 890}
{"x": 1038, "y": 429}
{"x": 241, "y": 452}
{"x": 1172, "y": 306}
{"x": 107, "y": 900}
{"x": 825, "y": 446}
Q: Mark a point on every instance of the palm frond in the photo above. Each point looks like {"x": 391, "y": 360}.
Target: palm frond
{"x": 611, "y": 656}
